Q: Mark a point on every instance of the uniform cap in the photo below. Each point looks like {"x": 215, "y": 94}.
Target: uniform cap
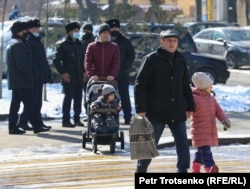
{"x": 113, "y": 23}
{"x": 169, "y": 33}
{"x": 33, "y": 23}
{"x": 17, "y": 27}
{"x": 73, "y": 25}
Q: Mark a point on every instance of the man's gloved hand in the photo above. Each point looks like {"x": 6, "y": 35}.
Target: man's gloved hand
{"x": 226, "y": 124}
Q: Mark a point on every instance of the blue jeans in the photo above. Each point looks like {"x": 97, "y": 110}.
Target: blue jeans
{"x": 179, "y": 133}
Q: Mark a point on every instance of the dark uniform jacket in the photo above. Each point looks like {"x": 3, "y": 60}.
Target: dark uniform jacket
{"x": 20, "y": 71}
{"x": 41, "y": 67}
{"x": 162, "y": 88}
{"x": 127, "y": 54}
{"x": 69, "y": 59}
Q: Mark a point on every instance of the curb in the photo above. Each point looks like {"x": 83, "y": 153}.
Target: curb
{"x": 222, "y": 141}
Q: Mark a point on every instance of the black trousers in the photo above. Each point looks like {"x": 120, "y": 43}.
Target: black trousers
{"x": 24, "y": 96}
{"x": 72, "y": 93}
{"x": 123, "y": 87}
{"x": 37, "y": 95}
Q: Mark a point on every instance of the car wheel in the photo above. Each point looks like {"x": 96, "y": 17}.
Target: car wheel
{"x": 211, "y": 73}
{"x": 231, "y": 62}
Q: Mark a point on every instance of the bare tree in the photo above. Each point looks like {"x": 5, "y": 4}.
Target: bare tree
{"x": 1, "y": 65}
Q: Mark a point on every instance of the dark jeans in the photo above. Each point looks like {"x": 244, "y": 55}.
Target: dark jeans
{"x": 123, "y": 87}
{"x": 24, "y": 96}
{"x": 204, "y": 156}
{"x": 179, "y": 133}
{"x": 37, "y": 97}
{"x": 72, "y": 93}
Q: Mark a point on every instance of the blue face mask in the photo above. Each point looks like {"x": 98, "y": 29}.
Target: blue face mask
{"x": 36, "y": 34}
{"x": 75, "y": 35}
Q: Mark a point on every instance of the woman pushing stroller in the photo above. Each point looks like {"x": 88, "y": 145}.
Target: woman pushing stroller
{"x": 105, "y": 110}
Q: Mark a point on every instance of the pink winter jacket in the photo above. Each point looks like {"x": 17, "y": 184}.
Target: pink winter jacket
{"x": 203, "y": 122}
{"x": 102, "y": 59}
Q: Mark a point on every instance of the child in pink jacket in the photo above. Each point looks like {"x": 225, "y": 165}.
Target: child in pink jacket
{"x": 203, "y": 123}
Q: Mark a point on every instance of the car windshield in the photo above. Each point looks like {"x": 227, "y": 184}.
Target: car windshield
{"x": 238, "y": 35}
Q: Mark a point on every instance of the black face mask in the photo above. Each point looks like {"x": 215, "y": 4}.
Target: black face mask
{"x": 25, "y": 35}
{"x": 87, "y": 36}
{"x": 114, "y": 33}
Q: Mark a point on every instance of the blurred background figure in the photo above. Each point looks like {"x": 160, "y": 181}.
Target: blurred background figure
{"x": 15, "y": 13}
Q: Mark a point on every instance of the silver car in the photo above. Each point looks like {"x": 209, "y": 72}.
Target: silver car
{"x": 231, "y": 44}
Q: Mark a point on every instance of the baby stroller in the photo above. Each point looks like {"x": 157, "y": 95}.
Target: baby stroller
{"x": 101, "y": 138}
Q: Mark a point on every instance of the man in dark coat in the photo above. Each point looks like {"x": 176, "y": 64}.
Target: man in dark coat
{"x": 162, "y": 93}
{"x": 21, "y": 80}
{"x": 127, "y": 54}
{"x": 68, "y": 62}
{"x": 87, "y": 38}
{"x": 41, "y": 70}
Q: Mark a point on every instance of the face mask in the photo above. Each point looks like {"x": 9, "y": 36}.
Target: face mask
{"x": 87, "y": 36}
{"x": 75, "y": 35}
{"x": 114, "y": 33}
{"x": 25, "y": 35}
{"x": 36, "y": 34}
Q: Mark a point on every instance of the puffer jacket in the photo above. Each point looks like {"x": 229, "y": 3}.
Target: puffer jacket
{"x": 102, "y": 59}
{"x": 162, "y": 88}
{"x": 203, "y": 122}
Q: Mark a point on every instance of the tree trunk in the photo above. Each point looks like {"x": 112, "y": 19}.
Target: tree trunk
{"x": 1, "y": 65}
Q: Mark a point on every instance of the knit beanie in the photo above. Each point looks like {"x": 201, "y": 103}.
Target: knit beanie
{"x": 18, "y": 27}
{"x": 107, "y": 89}
{"x": 88, "y": 27}
{"x": 104, "y": 27}
{"x": 73, "y": 25}
{"x": 201, "y": 80}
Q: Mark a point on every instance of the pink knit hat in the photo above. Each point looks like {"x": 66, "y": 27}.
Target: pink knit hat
{"x": 201, "y": 80}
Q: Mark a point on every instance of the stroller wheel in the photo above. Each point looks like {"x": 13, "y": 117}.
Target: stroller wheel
{"x": 84, "y": 140}
{"x": 122, "y": 139}
{"x": 112, "y": 144}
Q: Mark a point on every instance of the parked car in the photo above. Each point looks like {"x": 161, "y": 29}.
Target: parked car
{"x": 231, "y": 44}
{"x": 195, "y": 27}
{"x": 145, "y": 43}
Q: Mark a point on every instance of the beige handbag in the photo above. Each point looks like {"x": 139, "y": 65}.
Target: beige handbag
{"x": 142, "y": 140}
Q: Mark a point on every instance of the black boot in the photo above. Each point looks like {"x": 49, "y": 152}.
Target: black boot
{"x": 40, "y": 129}
{"x": 16, "y": 132}
{"x": 141, "y": 169}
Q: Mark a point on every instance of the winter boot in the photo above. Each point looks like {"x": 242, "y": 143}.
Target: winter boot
{"x": 213, "y": 169}
{"x": 141, "y": 169}
{"x": 196, "y": 167}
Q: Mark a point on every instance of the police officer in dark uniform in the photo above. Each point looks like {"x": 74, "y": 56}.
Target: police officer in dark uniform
{"x": 41, "y": 70}
{"x": 69, "y": 63}
{"x": 127, "y": 54}
{"x": 21, "y": 80}
{"x": 87, "y": 38}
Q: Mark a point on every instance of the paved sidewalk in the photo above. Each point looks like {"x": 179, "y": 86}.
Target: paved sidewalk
{"x": 238, "y": 133}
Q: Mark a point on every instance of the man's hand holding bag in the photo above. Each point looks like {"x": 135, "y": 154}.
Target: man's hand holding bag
{"x": 142, "y": 141}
